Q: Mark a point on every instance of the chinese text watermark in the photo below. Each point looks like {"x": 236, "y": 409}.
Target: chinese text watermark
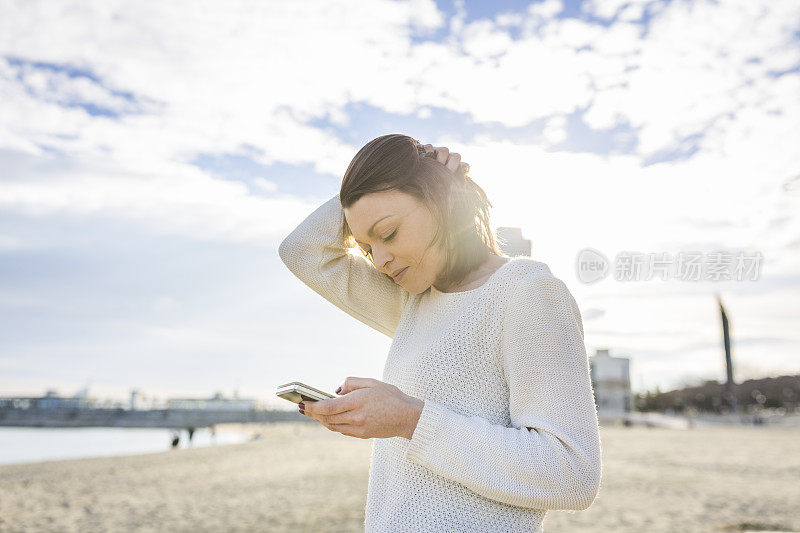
{"x": 591, "y": 266}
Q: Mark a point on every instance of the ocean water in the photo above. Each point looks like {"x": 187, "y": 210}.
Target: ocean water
{"x": 29, "y": 445}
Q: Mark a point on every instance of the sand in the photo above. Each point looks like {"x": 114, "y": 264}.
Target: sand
{"x": 303, "y": 477}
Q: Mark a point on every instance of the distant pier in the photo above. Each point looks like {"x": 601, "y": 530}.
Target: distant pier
{"x": 151, "y": 418}
{"x": 54, "y": 411}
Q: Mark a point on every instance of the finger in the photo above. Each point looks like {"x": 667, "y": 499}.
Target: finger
{"x": 348, "y": 429}
{"x": 454, "y": 161}
{"x": 331, "y": 406}
{"x": 322, "y": 419}
{"x": 429, "y": 148}
{"x": 353, "y": 418}
{"x": 314, "y": 418}
{"x": 352, "y": 383}
{"x": 441, "y": 154}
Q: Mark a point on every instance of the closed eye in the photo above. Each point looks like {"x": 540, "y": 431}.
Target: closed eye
{"x": 387, "y": 239}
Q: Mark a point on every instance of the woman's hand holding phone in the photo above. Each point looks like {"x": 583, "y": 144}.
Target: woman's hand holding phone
{"x": 368, "y": 408}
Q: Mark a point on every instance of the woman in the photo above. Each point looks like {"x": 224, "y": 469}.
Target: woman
{"x": 485, "y": 415}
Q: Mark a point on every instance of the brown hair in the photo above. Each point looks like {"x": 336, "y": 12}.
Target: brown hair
{"x": 399, "y": 162}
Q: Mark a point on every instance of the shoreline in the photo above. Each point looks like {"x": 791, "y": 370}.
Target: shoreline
{"x": 35, "y": 445}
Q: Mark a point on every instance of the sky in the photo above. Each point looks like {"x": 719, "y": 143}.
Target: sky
{"x": 153, "y": 155}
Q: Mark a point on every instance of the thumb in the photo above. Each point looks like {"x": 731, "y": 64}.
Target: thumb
{"x": 352, "y": 383}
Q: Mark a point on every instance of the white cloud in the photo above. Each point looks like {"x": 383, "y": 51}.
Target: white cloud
{"x": 680, "y": 79}
{"x": 546, "y": 9}
{"x": 265, "y": 185}
{"x": 555, "y": 130}
{"x": 483, "y": 39}
{"x": 176, "y": 199}
{"x": 607, "y": 9}
{"x": 209, "y": 79}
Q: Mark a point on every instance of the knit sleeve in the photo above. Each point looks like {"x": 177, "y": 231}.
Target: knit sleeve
{"x": 315, "y": 252}
{"x": 550, "y": 458}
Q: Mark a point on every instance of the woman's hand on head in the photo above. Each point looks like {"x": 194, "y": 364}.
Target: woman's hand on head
{"x": 443, "y": 155}
{"x": 368, "y": 408}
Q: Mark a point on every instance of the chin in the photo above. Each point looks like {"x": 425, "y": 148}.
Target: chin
{"x": 415, "y": 290}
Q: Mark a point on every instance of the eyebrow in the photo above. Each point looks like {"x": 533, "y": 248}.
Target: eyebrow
{"x": 370, "y": 233}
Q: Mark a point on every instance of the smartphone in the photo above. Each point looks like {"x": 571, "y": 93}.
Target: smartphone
{"x": 300, "y": 392}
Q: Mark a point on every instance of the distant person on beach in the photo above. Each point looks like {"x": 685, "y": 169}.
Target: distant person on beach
{"x": 485, "y": 417}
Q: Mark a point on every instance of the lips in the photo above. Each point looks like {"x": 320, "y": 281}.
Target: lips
{"x": 398, "y": 272}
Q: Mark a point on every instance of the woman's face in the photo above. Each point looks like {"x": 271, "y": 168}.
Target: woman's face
{"x": 397, "y": 228}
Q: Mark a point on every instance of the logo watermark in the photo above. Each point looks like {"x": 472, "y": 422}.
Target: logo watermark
{"x": 592, "y": 266}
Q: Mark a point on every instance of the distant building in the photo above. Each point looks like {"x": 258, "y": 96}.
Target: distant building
{"x": 216, "y": 403}
{"x": 136, "y": 400}
{"x": 514, "y": 244}
{"x": 51, "y": 400}
{"x": 611, "y": 383}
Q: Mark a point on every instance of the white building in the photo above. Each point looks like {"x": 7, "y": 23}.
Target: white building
{"x": 136, "y": 402}
{"x": 217, "y": 403}
{"x": 514, "y": 244}
{"x": 612, "y": 384}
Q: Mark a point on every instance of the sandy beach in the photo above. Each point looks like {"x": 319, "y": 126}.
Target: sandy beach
{"x": 303, "y": 477}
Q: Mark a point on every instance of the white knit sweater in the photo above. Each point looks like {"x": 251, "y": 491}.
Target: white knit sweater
{"x": 509, "y": 427}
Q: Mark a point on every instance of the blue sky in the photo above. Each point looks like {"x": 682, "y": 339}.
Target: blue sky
{"x": 154, "y": 155}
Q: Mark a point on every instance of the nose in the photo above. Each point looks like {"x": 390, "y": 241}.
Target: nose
{"x": 381, "y": 258}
